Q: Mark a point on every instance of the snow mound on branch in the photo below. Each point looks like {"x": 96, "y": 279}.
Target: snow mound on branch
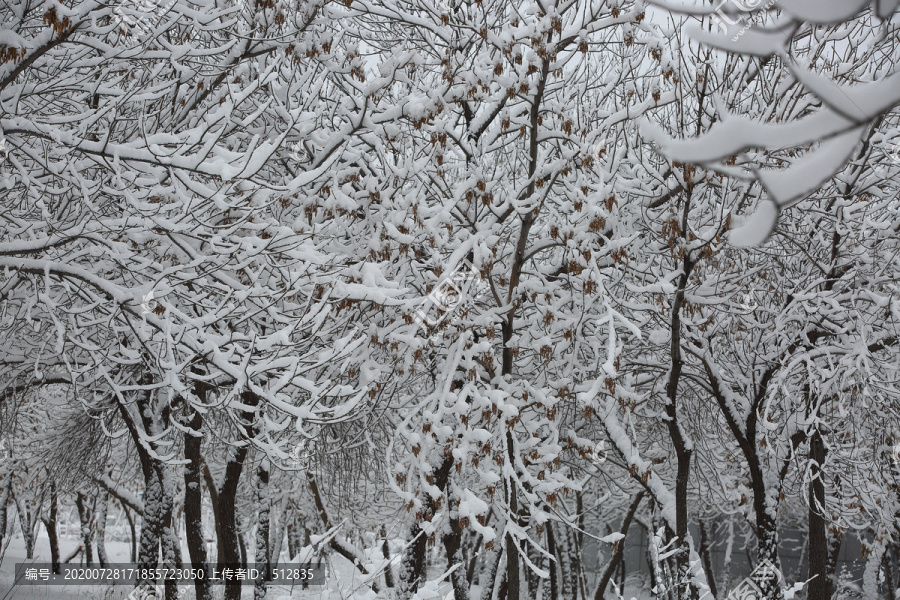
{"x": 757, "y": 228}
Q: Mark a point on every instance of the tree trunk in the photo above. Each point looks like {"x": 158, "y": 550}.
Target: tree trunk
{"x": 133, "y": 545}
{"x": 151, "y": 522}
{"x": 386, "y": 553}
{"x": 230, "y": 553}
{"x": 169, "y": 542}
{"x": 263, "y": 517}
{"x": 5, "y": 487}
{"x": 552, "y": 567}
{"x": 193, "y": 500}
{"x": 84, "y": 517}
{"x": 532, "y": 581}
{"x": 50, "y": 525}
{"x": 573, "y": 563}
{"x": 452, "y": 543}
{"x": 276, "y": 540}
{"x": 26, "y": 525}
{"x": 413, "y": 565}
{"x": 707, "y": 559}
{"x": 820, "y": 588}
{"x": 681, "y": 444}
{"x": 242, "y": 543}
{"x": 493, "y": 562}
{"x": 294, "y": 536}
{"x": 512, "y": 549}
{"x": 100, "y": 527}
{"x": 157, "y": 495}
{"x": 566, "y": 589}
{"x": 231, "y": 545}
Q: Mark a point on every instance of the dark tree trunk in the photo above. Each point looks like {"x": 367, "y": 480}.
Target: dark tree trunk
{"x": 84, "y": 518}
{"x": 157, "y": 497}
{"x": 493, "y": 566}
{"x": 169, "y": 542}
{"x": 50, "y": 523}
{"x": 412, "y": 567}
{"x": 5, "y": 487}
{"x": 552, "y": 567}
{"x": 26, "y": 523}
{"x": 566, "y": 589}
{"x": 231, "y": 547}
{"x": 263, "y": 523}
{"x": 386, "y": 553}
{"x": 820, "y": 588}
{"x": 242, "y": 542}
{"x": 572, "y": 562}
{"x": 193, "y": 499}
{"x": 151, "y": 522}
{"x": 766, "y": 526}
{"x": 532, "y": 581}
{"x": 512, "y": 549}
{"x": 682, "y": 446}
{"x": 452, "y": 543}
{"x": 706, "y": 557}
{"x": 213, "y": 490}
{"x": 294, "y": 536}
{"x": 100, "y": 526}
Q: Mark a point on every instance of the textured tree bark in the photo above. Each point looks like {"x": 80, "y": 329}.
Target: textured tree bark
{"x": 263, "y": 522}
{"x": 566, "y": 589}
{"x": 532, "y": 581}
{"x": 493, "y": 566}
{"x": 680, "y": 442}
{"x": 169, "y": 542}
{"x": 452, "y": 542}
{"x": 707, "y": 559}
{"x": 26, "y": 522}
{"x": 572, "y": 562}
{"x": 133, "y": 546}
{"x": 820, "y": 588}
{"x": 230, "y": 547}
{"x": 84, "y": 518}
{"x": 5, "y": 486}
{"x": 386, "y": 553}
{"x": 50, "y": 522}
{"x": 412, "y": 567}
{"x": 512, "y": 549}
{"x": 100, "y": 526}
{"x": 552, "y": 567}
{"x": 153, "y": 518}
{"x": 294, "y": 535}
{"x": 151, "y": 522}
{"x": 276, "y": 540}
{"x": 193, "y": 501}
